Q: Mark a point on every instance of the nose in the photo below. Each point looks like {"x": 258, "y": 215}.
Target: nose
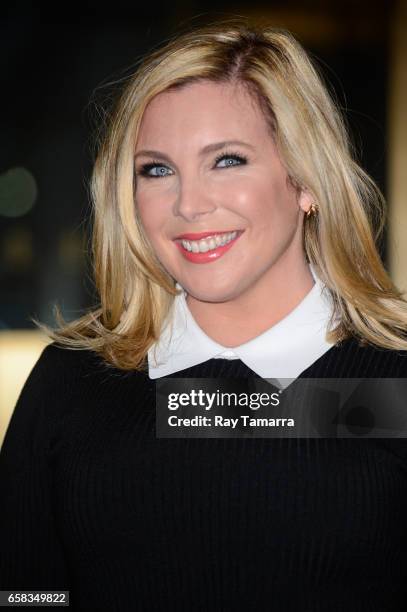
{"x": 193, "y": 201}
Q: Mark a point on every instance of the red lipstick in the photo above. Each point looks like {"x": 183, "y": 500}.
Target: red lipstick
{"x": 209, "y": 256}
{"x": 191, "y": 236}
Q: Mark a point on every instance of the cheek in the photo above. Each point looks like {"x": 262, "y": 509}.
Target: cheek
{"x": 262, "y": 201}
{"x": 247, "y": 196}
{"x": 149, "y": 214}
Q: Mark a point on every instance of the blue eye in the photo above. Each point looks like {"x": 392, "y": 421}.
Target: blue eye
{"x": 229, "y": 156}
{"x": 145, "y": 170}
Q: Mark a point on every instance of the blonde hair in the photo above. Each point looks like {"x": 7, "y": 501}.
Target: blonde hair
{"x": 136, "y": 292}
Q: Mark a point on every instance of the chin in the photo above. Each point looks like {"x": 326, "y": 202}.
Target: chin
{"x": 214, "y": 294}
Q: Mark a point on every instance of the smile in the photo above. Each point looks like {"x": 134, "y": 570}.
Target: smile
{"x": 208, "y": 244}
{"x": 208, "y": 249}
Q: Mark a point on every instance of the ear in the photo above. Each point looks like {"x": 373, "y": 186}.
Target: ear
{"x": 305, "y": 200}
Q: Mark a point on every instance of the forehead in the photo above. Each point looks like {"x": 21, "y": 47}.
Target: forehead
{"x": 206, "y": 108}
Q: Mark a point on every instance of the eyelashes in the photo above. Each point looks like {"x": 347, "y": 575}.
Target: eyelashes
{"x": 144, "y": 170}
{"x": 236, "y": 156}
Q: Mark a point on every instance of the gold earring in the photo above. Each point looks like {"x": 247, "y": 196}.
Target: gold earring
{"x": 313, "y": 210}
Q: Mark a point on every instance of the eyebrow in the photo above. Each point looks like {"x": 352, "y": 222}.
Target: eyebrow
{"x": 207, "y": 149}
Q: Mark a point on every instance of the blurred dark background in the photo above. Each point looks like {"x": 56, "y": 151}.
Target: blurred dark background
{"x": 53, "y": 72}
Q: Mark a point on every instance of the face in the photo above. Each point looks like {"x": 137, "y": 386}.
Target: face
{"x": 194, "y": 184}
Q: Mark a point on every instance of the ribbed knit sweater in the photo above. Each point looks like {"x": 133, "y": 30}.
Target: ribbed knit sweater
{"x": 94, "y": 503}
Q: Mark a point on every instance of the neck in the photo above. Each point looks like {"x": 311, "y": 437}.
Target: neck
{"x": 255, "y": 310}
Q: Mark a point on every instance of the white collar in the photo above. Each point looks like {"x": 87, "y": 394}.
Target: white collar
{"x": 283, "y": 351}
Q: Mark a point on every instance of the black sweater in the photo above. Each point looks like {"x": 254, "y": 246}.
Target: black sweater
{"x": 94, "y": 503}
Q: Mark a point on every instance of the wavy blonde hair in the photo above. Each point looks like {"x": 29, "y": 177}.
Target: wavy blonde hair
{"x": 136, "y": 292}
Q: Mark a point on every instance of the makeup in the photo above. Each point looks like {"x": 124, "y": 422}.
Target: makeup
{"x": 212, "y": 254}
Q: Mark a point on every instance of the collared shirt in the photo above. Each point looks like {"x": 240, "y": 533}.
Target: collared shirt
{"x": 281, "y": 352}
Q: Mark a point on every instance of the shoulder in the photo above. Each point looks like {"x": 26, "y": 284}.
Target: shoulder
{"x": 352, "y": 357}
{"x": 55, "y": 355}
{"x": 65, "y": 380}
{"x": 58, "y": 363}
{"x": 61, "y": 369}
{"x": 44, "y": 399}
{"x": 65, "y": 393}
{"x": 367, "y": 359}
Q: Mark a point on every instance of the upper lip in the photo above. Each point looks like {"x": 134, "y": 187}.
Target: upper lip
{"x": 198, "y": 236}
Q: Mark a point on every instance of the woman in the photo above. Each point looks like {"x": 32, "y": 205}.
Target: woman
{"x": 228, "y": 131}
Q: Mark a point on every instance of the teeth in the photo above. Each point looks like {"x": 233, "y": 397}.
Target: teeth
{"x": 208, "y": 244}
